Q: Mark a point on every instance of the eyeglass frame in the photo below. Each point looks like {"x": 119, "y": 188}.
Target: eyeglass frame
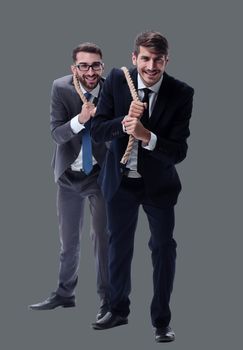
{"x": 89, "y": 66}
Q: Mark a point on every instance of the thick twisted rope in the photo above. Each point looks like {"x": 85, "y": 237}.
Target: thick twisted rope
{"x": 135, "y": 98}
{"x": 78, "y": 89}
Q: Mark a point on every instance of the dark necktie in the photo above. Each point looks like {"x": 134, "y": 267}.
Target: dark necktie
{"x": 145, "y": 116}
{"x": 86, "y": 144}
{"x": 144, "y": 120}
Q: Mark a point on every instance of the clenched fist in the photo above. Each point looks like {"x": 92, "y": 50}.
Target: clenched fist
{"x": 88, "y": 110}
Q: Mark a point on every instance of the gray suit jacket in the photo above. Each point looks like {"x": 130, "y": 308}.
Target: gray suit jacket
{"x": 66, "y": 104}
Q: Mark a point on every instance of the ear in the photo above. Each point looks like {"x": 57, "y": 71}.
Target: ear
{"x": 134, "y": 59}
{"x": 73, "y": 69}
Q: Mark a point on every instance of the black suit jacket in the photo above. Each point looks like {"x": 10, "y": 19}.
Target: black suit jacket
{"x": 66, "y": 104}
{"x": 169, "y": 122}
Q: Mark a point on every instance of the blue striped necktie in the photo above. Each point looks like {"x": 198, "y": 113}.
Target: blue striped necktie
{"x": 86, "y": 144}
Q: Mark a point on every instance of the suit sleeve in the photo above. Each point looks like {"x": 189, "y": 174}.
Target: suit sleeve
{"x": 171, "y": 146}
{"x": 107, "y": 126}
{"x": 59, "y": 120}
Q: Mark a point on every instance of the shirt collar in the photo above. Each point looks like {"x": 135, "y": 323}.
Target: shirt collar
{"x": 94, "y": 92}
{"x": 155, "y": 88}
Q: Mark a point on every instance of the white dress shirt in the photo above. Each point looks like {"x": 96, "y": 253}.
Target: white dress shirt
{"x": 132, "y": 161}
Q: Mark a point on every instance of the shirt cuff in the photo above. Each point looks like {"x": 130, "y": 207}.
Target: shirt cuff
{"x": 123, "y": 126}
{"x": 75, "y": 125}
{"x": 152, "y": 143}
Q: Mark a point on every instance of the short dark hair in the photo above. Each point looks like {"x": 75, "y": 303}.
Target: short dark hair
{"x": 153, "y": 41}
{"x": 86, "y": 47}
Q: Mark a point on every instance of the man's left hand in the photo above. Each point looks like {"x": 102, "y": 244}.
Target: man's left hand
{"x": 134, "y": 127}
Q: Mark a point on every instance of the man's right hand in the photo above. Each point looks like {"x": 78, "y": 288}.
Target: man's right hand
{"x": 136, "y": 109}
{"x": 87, "y": 111}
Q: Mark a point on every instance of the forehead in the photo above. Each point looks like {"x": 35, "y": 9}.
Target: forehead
{"x": 145, "y": 52}
{"x": 87, "y": 57}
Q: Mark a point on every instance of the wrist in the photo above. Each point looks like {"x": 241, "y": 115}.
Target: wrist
{"x": 146, "y": 137}
{"x": 81, "y": 120}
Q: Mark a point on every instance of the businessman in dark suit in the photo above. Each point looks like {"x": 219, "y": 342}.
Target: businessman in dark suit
{"x": 76, "y": 164}
{"x": 160, "y": 125}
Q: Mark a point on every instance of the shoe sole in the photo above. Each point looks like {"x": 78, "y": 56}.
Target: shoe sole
{"x": 164, "y": 340}
{"x": 51, "y": 308}
{"x": 98, "y": 328}
{"x": 70, "y": 305}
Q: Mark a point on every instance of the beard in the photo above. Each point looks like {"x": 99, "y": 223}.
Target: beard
{"x": 89, "y": 82}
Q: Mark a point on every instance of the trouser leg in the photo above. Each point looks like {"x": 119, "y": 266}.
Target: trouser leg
{"x": 163, "y": 248}
{"x": 70, "y": 209}
{"x": 122, "y": 222}
{"x": 99, "y": 236}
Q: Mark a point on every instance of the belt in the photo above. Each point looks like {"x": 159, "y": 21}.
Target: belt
{"x": 95, "y": 169}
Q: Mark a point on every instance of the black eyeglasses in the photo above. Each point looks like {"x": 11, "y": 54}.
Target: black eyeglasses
{"x": 84, "y": 67}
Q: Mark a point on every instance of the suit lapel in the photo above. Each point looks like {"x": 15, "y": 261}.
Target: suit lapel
{"x": 134, "y": 75}
{"x": 76, "y": 96}
{"x": 160, "y": 102}
{"x": 125, "y": 87}
{"x": 101, "y": 85}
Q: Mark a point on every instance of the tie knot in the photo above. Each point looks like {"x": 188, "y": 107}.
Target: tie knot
{"x": 146, "y": 94}
{"x": 88, "y": 95}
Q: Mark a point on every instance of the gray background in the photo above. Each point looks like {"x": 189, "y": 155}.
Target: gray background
{"x": 205, "y": 51}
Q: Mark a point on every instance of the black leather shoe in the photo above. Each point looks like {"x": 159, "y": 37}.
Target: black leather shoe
{"x": 54, "y": 301}
{"x": 109, "y": 321}
{"x": 164, "y": 335}
{"x": 104, "y": 308}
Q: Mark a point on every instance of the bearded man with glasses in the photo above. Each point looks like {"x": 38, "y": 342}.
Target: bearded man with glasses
{"x": 76, "y": 164}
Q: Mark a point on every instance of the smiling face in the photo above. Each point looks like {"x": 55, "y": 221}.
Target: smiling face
{"x": 90, "y": 78}
{"x": 150, "y": 65}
